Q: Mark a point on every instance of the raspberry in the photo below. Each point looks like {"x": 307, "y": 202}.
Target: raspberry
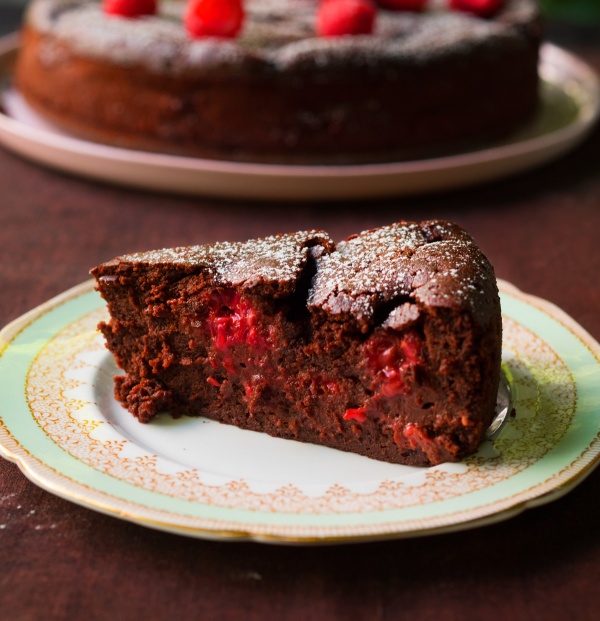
{"x": 391, "y": 357}
{"x": 345, "y": 17}
{"x": 214, "y": 18}
{"x": 129, "y": 8}
{"x": 358, "y": 414}
{"x": 483, "y": 8}
{"x": 233, "y": 322}
{"x": 402, "y": 5}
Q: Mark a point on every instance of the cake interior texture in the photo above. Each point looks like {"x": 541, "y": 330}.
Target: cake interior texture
{"x": 387, "y": 344}
{"x": 420, "y": 84}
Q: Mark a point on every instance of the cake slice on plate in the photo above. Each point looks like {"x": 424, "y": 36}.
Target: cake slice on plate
{"x": 387, "y": 345}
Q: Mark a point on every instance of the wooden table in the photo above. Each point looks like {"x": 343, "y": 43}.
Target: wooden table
{"x": 60, "y": 561}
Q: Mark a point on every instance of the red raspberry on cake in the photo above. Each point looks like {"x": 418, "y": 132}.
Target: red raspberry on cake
{"x": 129, "y": 8}
{"x": 483, "y": 8}
{"x": 214, "y": 18}
{"x": 345, "y": 17}
{"x": 402, "y": 5}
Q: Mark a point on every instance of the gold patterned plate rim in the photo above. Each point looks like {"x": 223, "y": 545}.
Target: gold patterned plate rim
{"x": 61, "y": 435}
{"x": 570, "y": 105}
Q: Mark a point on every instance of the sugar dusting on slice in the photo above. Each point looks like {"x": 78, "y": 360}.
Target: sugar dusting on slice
{"x": 275, "y": 258}
{"x": 436, "y": 263}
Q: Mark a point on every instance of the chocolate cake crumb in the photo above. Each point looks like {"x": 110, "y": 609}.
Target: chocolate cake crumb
{"x": 387, "y": 345}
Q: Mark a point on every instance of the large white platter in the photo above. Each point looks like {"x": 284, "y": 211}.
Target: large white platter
{"x": 570, "y": 103}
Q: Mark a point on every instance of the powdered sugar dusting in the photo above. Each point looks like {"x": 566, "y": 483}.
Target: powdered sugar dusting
{"x": 433, "y": 263}
{"x": 276, "y": 258}
{"x": 277, "y": 35}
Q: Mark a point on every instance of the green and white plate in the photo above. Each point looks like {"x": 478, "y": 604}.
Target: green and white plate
{"x": 60, "y": 423}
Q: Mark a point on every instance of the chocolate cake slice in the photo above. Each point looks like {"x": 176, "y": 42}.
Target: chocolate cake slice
{"x": 387, "y": 345}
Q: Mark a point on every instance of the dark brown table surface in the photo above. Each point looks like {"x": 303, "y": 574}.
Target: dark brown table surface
{"x": 541, "y": 231}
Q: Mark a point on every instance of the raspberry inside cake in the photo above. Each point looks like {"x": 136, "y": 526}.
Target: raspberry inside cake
{"x": 387, "y": 345}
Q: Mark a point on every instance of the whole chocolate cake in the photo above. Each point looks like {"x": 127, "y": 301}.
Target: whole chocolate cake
{"x": 387, "y": 345}
{"x": 421, "y": 84}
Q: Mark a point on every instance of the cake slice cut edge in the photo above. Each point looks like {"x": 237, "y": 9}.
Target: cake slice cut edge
{"x": 387, "y": 344}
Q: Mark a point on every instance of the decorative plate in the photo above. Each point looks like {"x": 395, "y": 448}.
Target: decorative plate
{"x": 570, "y": 103}
{"x": 60, "y": 423}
